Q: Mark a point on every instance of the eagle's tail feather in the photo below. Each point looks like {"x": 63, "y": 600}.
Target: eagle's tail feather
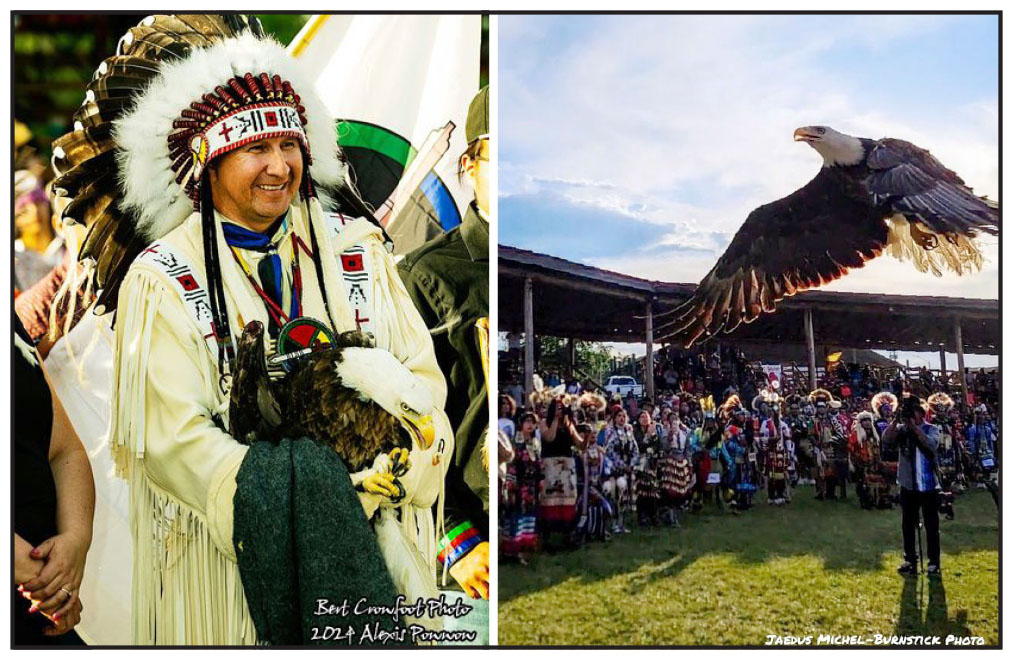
{"x": 932, "y": 252}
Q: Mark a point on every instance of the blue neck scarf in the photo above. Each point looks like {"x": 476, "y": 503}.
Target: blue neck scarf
{"x": 269, "y": 268}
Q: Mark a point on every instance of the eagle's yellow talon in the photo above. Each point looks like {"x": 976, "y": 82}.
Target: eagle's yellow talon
{"x": 399, "y": 462}
{"x": 381, "y": 483}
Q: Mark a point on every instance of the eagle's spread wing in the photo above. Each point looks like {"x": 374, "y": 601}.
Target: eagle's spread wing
{"x": 915, "y": 184}
{"x": 813, "y": 236}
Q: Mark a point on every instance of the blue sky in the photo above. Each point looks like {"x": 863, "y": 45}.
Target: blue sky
{"x": 640, "y": 144}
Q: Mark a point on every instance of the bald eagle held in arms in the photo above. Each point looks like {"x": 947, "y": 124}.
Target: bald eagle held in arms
{"x": 354, "y": 398}
{"x": 870, "y": 197}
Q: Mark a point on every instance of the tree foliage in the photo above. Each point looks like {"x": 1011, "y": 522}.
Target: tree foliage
{"x": 592, "y": 358}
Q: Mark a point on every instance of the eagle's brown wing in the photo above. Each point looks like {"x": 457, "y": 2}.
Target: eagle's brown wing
{"x": 809, "y": 238}
{"x": 915, "y": 184}
{"x": 318, "y": 406}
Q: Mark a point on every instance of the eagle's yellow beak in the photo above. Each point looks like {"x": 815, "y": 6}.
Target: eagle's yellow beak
{"x": 805, "y": 134}
{"x": 421, "y": 426}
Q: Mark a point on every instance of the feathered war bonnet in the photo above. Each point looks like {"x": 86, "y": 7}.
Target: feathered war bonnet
{"x": 707, "y": 406}
{"x": 181, "y": 91}
{"x": 592, "y": 402}
{"x": 821, "y": 396}
{"x": 939, "y": 404}
{"x": 883, "y": 399}
{"x": 731, "y": 406}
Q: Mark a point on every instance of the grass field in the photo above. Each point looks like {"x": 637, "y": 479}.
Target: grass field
{"x": 809, "y": 568}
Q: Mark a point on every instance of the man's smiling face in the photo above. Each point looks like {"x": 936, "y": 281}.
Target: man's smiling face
{"x": 255, "y": 184}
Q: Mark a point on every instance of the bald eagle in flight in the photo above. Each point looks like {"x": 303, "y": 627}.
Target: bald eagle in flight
{"x": 361, "y": 401}
{"x": 870, "y": 197}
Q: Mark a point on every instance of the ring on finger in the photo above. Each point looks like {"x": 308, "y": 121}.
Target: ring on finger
{"x": 69, "y": 593}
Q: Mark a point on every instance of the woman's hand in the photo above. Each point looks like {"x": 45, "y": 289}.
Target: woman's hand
{"x": 64, "y": 556}
{"x": 65, "y": 620}
{"x": 25, "y": 566}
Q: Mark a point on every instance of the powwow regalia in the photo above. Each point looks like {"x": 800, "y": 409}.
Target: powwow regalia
{"x": 180, "y": 93}
{"x": 884, "y": 405}
{"x": 520, "y": 501}
{"x": 864, "y": 452}
{"x": 948, "y": 455}
{"x": 705, "y": 443}
{"x": 779, "y": 456}
{"x": 801, "y": 435}
{"x": 621, "y": 455}
{"x": 740, "y": 479}
{"x": 594, "y": 406}
{"x": 675, "y": 469}
{"x": 823, "y": 436}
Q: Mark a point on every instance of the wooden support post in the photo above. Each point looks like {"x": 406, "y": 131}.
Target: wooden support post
{"x": 571, "y": 357}
{"x": 810, "y": 343}
{"x": 649, "y": 359}
{"x": 959, "y": 340}
{"x": 529, "y": 336}
{"x": 942, "y": 363}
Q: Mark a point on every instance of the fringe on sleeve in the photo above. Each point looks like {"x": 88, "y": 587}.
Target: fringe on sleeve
{"x": 185, "y": 590}
{"x": 139, "y": 301}
{"x": 186, "y": 585}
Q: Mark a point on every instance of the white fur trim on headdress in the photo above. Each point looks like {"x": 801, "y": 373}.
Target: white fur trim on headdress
{"x": 148, "y": 180}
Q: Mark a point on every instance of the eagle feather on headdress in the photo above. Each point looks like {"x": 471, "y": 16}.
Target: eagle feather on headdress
{"x": 593, "y": 402}
{"x": 883, "y": 399}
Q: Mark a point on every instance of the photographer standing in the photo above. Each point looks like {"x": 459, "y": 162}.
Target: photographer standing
{"x": 917, "y": 441}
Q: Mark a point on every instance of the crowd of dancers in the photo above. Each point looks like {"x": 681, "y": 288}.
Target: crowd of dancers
{"x": 576, "y": 467}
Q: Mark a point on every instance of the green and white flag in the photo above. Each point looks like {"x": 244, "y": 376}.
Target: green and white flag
{"x": 399, "y": 88}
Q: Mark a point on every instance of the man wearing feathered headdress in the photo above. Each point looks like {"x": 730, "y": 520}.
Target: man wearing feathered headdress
{"x": 740, "y": 478}
{"x": 841, "y": 422}
{"x": 821, "y": 400}
{"x": 705, "y": 444}
{"x": 948, "y": 456}
{"x": 593, "y": 405}
{"x": 780, "y": 451}
{"x": 863, "y": 450}
{"x": 207, "y": 170}
{"x": 884, "y": 407}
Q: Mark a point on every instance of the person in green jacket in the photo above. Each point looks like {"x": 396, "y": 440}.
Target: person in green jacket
{"x": 448, "y": 278}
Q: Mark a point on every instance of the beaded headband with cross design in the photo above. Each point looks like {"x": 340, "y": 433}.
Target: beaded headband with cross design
{"x": 243, "y": 110}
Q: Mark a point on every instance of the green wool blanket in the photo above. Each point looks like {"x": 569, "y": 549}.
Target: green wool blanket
{"x": 307, "y": 555}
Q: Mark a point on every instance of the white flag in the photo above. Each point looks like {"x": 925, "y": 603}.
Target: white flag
{"x": 399, "y": 87}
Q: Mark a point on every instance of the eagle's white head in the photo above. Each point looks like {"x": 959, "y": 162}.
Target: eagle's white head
{"x": 836, "y": 148}
{"x": 379, "y": 376}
